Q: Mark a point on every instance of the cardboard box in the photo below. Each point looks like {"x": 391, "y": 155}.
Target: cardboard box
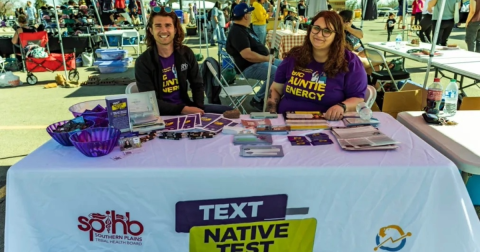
{"x": 412, "y": 97}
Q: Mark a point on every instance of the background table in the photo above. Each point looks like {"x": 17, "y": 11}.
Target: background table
{"x": 458, "y": 62}
{"x": 55, "y": 192}
{"x": 460, "y": 143}
{"x": 286, "y": 40}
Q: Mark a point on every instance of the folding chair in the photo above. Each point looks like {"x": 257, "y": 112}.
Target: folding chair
{"x": 384, "y": 76}
{"x": 129, "y": 35}
{"x": 131, "y": 88}
{"x": 236, "y": 94}
{"x": 230, "y": 63}
{"x": 470, "y": 103}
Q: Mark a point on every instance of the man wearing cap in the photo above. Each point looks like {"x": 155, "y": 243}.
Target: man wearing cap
{"x": 249, "y": 53}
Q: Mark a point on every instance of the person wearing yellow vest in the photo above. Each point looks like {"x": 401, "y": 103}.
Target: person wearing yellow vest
{"x": 259, "y": 20}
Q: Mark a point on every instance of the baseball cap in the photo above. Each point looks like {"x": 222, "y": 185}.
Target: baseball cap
{"x": 241, "y": 9}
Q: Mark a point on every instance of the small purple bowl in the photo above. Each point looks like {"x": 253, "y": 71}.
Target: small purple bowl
{"x": 95, "y": 142}
{"x": 64, "y": 137}
{"x": 100, "y": 122}
{"x": 79, "y": 109}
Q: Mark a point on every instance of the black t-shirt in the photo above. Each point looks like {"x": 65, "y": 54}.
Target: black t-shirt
{"x": 390, "y": 24}
{"x": 290, "y": 18}
{"x": 301, "y": 10}
{"x": 240, "y": 38}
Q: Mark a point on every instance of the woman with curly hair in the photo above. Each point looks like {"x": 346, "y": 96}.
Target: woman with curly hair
{"x": 321, "y": 75}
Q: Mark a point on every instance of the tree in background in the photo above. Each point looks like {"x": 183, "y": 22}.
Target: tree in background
{"x": 39, "y": 4}
{"x": 6, "y": 6}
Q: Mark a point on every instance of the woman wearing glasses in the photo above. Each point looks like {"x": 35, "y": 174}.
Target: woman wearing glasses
{"x": 321, "y": 75}
{"x": 167, "y": 66}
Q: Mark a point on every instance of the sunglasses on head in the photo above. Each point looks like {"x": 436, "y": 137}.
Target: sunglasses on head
{"x": 158, "y": 9}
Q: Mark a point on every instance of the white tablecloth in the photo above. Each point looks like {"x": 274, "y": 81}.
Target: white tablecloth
{"x": 409, "y": 199}
{"x": 460, "y": 143}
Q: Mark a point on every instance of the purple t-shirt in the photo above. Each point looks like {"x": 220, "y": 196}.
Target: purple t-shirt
{"x": 170, "y": 88}
{"x": 309, "y": 89}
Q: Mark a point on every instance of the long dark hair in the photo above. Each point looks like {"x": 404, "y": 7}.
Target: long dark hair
{"x": 179, "y": 34}
{"x": 336, "y": 62}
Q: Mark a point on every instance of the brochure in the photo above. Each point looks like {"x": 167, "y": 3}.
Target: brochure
{"x": 363, "y": 138}
{"x": 118, "y": 116}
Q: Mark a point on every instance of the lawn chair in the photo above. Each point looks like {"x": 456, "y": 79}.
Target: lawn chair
{"x": 375, "y": 57}
{"x": 236, "y": 94}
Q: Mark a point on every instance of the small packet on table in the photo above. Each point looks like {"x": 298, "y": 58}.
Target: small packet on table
{"x": 297, "y": 139}
{"x": 321, "y": 142}
{"x": 318, "y": 136}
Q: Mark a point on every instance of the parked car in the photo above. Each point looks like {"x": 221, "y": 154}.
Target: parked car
{"x": 382, "y": 11}
{"x": 409, "y": 9}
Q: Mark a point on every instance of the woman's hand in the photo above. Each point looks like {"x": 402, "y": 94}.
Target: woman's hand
{"x": 334, "y": 113}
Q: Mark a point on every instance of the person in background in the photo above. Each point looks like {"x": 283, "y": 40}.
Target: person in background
{"x": 226, "y": 13}
{"x": 31, "y": 13}
{"x": 218, "y": 24}
{"x": 133, "y": 9}
{"x": 446, "y": 21}
{"x": 336, "y": 80}
{"x": 400, "y": 14}
{"x": 389, "y": 25}
{"x": 24, "y": 26}
{"x": 472, "y": 37}
{"x": 259, "y": 20}
{"x": 426, "y": 24}
{"x": 233, "y": 6}
{"x": 417, "y": 8}
{"x": 284, "y": 7}
{"x": 191, "y": 13}
{"x": 353, "y": 36}
{"x": 301, "y": 8}
{"x": 329, "y": 7}
{"x": 167, "y": 66}
{"x": 250, "y": 55}
{"x": 17, "y": 12}
{"x": 291, "y": 16}
{"x": 267, "y": 6}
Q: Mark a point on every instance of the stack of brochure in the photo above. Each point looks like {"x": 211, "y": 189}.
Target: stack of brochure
{"x": 134, "y": 112}
{"x": 305, "y": 120}
{"x": 144, "y": 112}
{"x": 363, "y": 138}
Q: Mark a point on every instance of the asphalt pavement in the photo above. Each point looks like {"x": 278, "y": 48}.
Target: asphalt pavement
{"x": 27, "y": 110}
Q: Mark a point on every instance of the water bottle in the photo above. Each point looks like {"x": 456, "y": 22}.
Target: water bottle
{"x": 398, "y": 42}
{"x": 364, "y": 111}
{"x": 451, "y": 98}
{"x": 434, "y": 97}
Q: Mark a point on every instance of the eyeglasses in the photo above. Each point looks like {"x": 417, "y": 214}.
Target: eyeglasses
{"x": 325, "y": 32}
{"x": 158, "y": 9}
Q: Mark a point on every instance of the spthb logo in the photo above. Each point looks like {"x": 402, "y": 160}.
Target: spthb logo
{"x": 120, "y": 229}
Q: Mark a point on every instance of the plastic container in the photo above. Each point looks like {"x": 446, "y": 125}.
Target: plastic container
{"x": 95, "y": 142}
{"x": 63, "y": 138}
{"x": 179, "y": 15}
{"x": 80, "y": 108}
{"x": 451, "y": 99}
{"x": 116, "y": 66}
{"x": 111, "y": 54}
{"x": 125, "y": 61}
{"x": 434, "y": 97}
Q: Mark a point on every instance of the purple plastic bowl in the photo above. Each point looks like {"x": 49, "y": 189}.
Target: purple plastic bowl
{"x": 100, "y": 122}
{"x": 79, "y": 108}
{"x": 64, "y": 137}
{"x": 95, "y": 142}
